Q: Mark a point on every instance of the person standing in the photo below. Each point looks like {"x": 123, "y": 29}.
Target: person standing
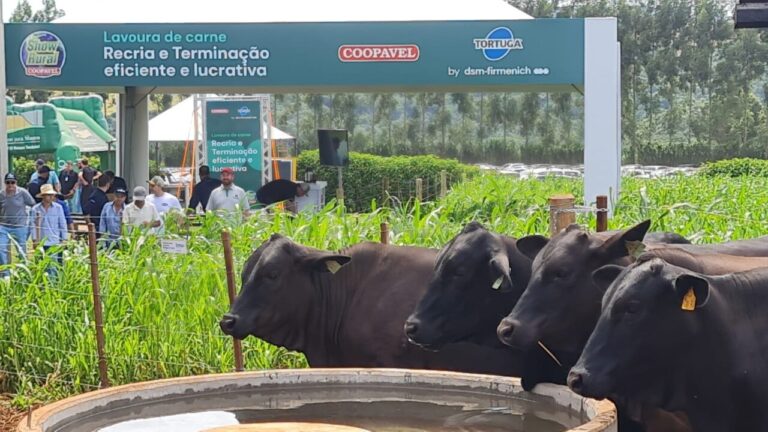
{"x": 111, "y": 221}
{"x": 52, "y": 179}
{"x": 228, "y": 197}
{"x": 43, "y": 177}
{"x": 202, "y": 191}
{"x": 68, "y": 180}
{"x": 85, "y": 180}
{"x": 50, "y": 226}
{"x": 14, "y": 219}
{"x": 67, "y": 213}
{"x": 97, "y": 201}
{"x": 141, "y": 214}
{"x": 162, "y": 200}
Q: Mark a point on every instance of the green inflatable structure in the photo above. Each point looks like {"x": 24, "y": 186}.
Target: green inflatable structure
{"x": 64, "y": 126}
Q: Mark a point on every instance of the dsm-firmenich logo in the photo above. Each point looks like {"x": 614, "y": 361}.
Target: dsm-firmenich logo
{"x": 42, "y": 54}
{"x": 244, "y": 111}
{"x": 499, "y": 42}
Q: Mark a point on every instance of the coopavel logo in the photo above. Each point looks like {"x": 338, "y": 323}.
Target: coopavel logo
{"x": 42, "y": 54}
{"x": 379, "y": 53}
{"x": 499, "y": 42}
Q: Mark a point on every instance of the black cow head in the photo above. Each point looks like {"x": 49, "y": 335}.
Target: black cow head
{"x": 648, "y": 323}
{"x": 561, "y": 304}
{"x": 278, "y": 284}
{"x": 478, "y": 277}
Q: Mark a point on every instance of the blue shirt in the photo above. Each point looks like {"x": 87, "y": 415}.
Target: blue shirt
{"x": 202, "y": 192}
{"x": 50, "y": 223}
{"x": 110, "y": 220}
{"x": 67, "y": 213}
{"x": 52, "y": 178}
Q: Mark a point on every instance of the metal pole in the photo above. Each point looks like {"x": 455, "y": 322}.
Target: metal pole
{"x": 4, "y": 163}
{"x": 340, "y": 189}
{"x": 99, "y": 318}
{"x": 226, "y": 239}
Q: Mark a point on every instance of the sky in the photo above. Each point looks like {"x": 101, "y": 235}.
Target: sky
{"x": 281, "y": 11}
{"x": 10, "y": 5}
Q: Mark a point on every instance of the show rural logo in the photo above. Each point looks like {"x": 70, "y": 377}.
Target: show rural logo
{"x": 42, "y": 54}
{"x": 499, "y": 42}
{"x": 379, "y": 53}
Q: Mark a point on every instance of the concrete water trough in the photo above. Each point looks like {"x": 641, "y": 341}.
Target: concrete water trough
{"x": 326, "y": 400}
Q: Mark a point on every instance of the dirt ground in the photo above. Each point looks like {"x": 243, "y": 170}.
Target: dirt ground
{"x": 9, "y": 417}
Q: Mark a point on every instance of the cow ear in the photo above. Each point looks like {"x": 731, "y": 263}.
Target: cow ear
{"x": 326, "y": 262}
{"x": 625, "y": 243}
{"x": 605, "y": 275}
{"x": 499, "y": 268}
{"x": 692, "y": 291}
{"x": 531, "y": 245}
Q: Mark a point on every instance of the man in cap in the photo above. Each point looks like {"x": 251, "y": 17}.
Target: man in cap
{"x": 140, "y": 213}
{"x": 44, "y": 174}
{"x": 201, "y": 193}
{"x": 14, "y": 226}
{"x": 162, "y": 200}
{"x": 111, "y": 221}
{"x": 50, "y": 225}
{"x": 85, "y": 180}
{"x": 228, "y": 196}
{"x": 52, "y": 179}
{"x": 97, "y": 201}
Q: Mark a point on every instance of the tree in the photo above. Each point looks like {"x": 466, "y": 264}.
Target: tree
{"x": 49, "y": 12}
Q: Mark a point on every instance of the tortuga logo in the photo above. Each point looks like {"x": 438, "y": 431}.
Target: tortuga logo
{"x": 42, "y": 54}
{"x": 244, "y": 111}
{"x": 498, "y": 43}
{"x": 379, "y": 53}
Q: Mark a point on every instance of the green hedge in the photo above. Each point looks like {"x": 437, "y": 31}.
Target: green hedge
{"x": 364, "y": 177}
{"x": 736, "y": 168}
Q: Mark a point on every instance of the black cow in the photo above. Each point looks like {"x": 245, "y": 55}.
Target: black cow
{"x": 479, "y": 276}
{"x": 345, "y": 309}
{"x": 683, "y": 341}
{"x": 561, "y": 304}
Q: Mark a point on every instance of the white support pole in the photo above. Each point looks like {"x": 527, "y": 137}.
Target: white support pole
{"x": 602, "y": 110}
{"x": 4, "y": 162}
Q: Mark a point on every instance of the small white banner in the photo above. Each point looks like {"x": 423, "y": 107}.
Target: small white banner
{"x": 174, "y": 246}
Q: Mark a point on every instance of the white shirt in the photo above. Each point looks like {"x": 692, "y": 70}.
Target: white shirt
{"x": 134, "y": 216}
{"x": 164, "y": 203}
{"x": 227, "y": 198}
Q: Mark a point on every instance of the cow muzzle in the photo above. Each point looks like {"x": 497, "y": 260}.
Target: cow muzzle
{"x": 587, "y": 384}
{"x": 227, "y": 323}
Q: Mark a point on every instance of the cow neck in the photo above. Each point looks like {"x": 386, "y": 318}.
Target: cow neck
{"x": 726, "y": 369}
{"x": 334, "y": 293}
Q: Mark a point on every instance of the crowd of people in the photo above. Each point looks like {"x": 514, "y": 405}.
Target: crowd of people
{"x": 42, "y": 212}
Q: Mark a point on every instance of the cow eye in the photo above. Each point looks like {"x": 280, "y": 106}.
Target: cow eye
{"x": 272, "y": 274}
{"x": 632, "y": 307}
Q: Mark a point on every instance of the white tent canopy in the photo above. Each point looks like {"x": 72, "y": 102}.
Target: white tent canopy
{"x": 227, "y": 11}
{"x": 177, "y": 124}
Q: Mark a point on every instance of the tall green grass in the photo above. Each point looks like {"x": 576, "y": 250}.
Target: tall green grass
{"x": 161, "y": 311}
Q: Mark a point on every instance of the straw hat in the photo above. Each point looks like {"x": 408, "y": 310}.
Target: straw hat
{"x": 47, "y": 189}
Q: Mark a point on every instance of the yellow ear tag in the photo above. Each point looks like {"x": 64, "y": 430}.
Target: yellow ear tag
{"x": 333, "y": 266}
{"x": 689, "y": 300}
{"x": 497, "y": 284}
{"x": 635, "y": 248}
